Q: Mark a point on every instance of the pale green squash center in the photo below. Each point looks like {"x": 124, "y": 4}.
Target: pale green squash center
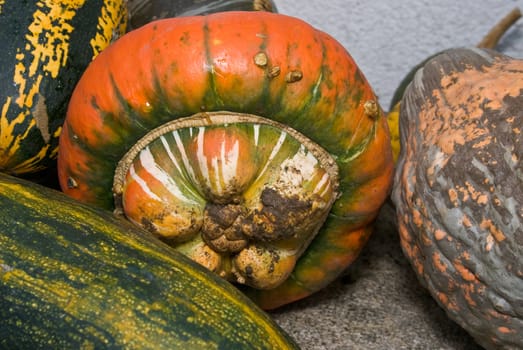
{"x": 242, "y": 195}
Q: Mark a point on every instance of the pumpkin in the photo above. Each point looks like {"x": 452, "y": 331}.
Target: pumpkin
{"x": 46, "y": 47}
{"x": 248, "y": 140}
{"x": 489, "y": 41}
{"x": 144, "y": 11}
{"x": 72, "y": 276}
{"x": 458, "y": 189}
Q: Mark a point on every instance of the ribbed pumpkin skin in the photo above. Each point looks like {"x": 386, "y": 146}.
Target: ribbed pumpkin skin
{"x": 75, "y": 277}
{"x": 144, "y": 11}
{"x": 46, "y": 46}
{"x": 183, "y": 66}
{"x": 458, "y": 190}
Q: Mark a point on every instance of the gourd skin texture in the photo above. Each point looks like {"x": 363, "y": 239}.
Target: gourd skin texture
{"x": 458, "y": 190}
{"x": 73, "y": 277}
{"x": 145, "y": 11}
{"x": 177, "y": 67}
{"x": 46, "y": 46}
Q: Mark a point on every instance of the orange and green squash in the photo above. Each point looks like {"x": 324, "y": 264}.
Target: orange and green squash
{"x": 458, "y": 189}
{"x": 76, "y": 277}
{"x": 248, "y": 140}
{"x": 46, "y": 46}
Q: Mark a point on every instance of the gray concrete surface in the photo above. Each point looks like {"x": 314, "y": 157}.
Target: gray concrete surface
{"x": 378, "y": 303}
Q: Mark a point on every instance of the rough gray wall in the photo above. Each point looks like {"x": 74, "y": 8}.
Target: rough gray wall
{"x": 388, "y": 37}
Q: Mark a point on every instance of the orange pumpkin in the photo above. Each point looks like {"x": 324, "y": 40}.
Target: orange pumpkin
{"x": 249, "y": 140}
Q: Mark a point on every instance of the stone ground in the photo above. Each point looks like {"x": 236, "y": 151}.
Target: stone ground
{"x": 377, "y": 304}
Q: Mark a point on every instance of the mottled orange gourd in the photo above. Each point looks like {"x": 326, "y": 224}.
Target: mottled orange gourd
{"x": 458, "y": 189}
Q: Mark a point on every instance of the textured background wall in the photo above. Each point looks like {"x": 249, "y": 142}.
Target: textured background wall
{"x": 388, "y": 37}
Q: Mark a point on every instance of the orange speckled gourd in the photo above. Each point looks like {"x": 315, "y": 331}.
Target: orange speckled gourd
{"x": 459, "y": 189}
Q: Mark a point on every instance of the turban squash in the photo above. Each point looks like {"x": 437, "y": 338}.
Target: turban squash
{"x": 458, "y": 189}
{"x": 46, "y": 46}
{"x": 248, "y": 140}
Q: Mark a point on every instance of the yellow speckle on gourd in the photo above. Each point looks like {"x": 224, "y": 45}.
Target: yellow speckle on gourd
{"x": 393, "y": 118}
